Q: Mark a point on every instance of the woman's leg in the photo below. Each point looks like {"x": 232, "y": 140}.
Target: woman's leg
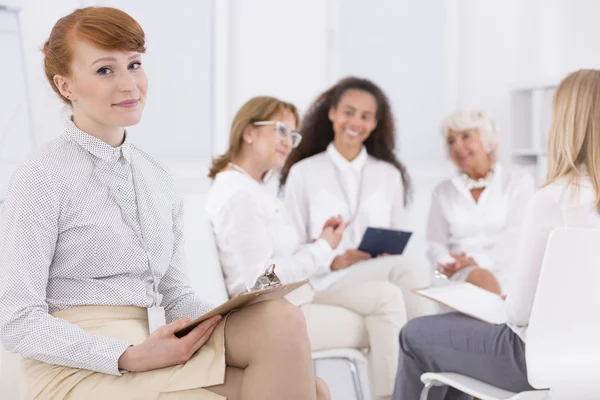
{"x": 268, "y": 355}
{"x": 381, "y": 305}
{"x": 485, "y": 279}
{"x": 403, "y": 271}
{"x": 456, "y": 343}
{"x": 232, "y": 388}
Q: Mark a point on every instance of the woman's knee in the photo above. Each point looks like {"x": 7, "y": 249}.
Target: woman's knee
{"x": 480, "y": 274}
{"x": 279, "y": 317}
{"x": 413, "y": 331}
{"x": 485, "y": 279}
{"x": 322, "y": 389}
{"x": 389, "y": 297}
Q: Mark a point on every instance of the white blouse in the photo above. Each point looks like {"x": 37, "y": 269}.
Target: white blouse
{"x": 485, "y": 230}
{"x": 557, "y": 205}
{"x": 88, "y": 224}
{"x": 252, "y": 230}
{"x": 366, "y": 191}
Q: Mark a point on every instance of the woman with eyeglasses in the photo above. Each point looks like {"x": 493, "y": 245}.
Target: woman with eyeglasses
{"x": 253, "y": 229}
{"x": 250, "y": 225}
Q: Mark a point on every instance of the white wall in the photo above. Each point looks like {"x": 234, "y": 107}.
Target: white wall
{"x": 177, "y": 126}
{"x": 205, "y": 58}
{"x": 177, "y": 117}
{"x": 577, "y": 35}
{"x": 277, "y": 48}
{"x": 37, "y": 17}
{"x": 400, "y": 45}
{"x": 487, "y": 60}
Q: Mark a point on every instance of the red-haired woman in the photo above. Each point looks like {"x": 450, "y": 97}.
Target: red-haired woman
{"x": 91, "y": 254}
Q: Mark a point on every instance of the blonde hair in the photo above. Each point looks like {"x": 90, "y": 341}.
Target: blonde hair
{"x": 575, "y": 131}
{"x": 254, "y": 110}
{"x": 463, "y": 120}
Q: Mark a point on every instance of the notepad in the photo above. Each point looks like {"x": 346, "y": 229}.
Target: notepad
{"x": 378, "y": 241}
{"x": 468, "y": 299}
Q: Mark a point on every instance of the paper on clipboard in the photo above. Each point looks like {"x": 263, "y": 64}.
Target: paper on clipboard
{"x": 242, "y": 300}
{"x": 468, "y": 299}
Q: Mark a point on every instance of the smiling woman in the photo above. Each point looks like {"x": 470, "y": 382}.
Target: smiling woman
{"x": 346, "y": 165}
{"x": 476, "y": 215}
{"x": 91, "y": 246}
{"x": 93, "y": 62}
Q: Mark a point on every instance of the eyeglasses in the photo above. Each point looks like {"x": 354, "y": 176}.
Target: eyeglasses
{"x": 283, "y": 132}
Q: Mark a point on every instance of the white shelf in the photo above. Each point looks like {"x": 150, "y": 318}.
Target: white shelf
{"x": 531, "y": 113}
{"x": 538, "y": 85}
{"x": 528, "y": 153}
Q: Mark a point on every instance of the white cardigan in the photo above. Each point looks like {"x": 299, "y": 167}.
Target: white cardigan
{"x": 252, "y": 230}
{"x": 485, "y": 230}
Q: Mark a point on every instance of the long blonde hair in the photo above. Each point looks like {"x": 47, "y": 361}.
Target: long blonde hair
{"x": 575, "y": 130}
{"x": 254, "y": 110}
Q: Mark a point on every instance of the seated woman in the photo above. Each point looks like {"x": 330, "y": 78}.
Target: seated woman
{"x": 496, "y": 353}
{"x": 475, "y": 216}
{"x": 346, "y": 165}
{"x": 252, "y": 229}
{"x": 91, "y": 254}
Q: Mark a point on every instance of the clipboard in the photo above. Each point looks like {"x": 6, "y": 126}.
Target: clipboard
{"x": 469, "y": 300}
{"x": 243, "y": 300}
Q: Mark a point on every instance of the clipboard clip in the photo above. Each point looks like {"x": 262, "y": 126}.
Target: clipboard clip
{"x": 266, "y": 280}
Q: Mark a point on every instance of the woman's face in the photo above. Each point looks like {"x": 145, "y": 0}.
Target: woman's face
{"x": 354, "y": 118}
{"x": 467, "y": 151}
{"x": 107, "y": 88}
{"x": 268, "y": 146}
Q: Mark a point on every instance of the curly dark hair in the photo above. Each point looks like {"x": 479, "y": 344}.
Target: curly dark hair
{"x": 317, "y": 129}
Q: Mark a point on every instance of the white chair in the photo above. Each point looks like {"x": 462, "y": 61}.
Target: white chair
{"x": 562, "y": 339}
{"x": 344, "y": 369}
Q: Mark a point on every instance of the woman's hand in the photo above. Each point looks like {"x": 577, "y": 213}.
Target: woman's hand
{"x": 164, "y": 349}
{"x": 333, "y": 222}
{"x": 350, "y": 257}
{"x": 333, "y": 231}
{"x": 460, "y": 261}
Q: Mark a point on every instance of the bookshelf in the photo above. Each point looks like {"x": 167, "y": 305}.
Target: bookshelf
{"x": 530, "y": 117}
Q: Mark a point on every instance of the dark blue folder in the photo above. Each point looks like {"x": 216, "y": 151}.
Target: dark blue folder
{"x": 377, "y": 241}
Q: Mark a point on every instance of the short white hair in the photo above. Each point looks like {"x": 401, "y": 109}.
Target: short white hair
{"x": 463, "y": 120}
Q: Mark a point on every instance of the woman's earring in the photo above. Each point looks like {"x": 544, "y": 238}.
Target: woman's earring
{"x": 249, "y": 141}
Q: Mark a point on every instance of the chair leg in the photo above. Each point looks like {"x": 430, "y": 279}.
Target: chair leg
{"x": 427, "y": 388}
{"x": 358, "y": 388}
{"x": 356, "y": 378}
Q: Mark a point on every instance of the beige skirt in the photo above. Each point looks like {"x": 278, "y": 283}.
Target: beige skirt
{"x": 206, "y": 368}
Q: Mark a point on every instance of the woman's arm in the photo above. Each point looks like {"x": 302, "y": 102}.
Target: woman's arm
{"x": 543, "y": 214}
{"x": 502, "y": 254}
{"x": 438, "y": 232}
{"x": 243, "y": 234}
{"x": 179, "y": 299}
{"x": 27, "y": 242}
{"x": 297, "y": 204}
{"x": 399, "y": 219}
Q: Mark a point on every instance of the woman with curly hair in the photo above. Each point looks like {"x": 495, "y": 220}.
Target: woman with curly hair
{"x": 346, "y": 165}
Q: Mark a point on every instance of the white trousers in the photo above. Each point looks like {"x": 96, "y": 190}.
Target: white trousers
{"x": 366, "y": 309}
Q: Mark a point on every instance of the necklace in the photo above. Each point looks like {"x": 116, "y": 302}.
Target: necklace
{"x": 480, "y": 183}
{"x": 239, "y": 169}
{"x": 242, "y": 170}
